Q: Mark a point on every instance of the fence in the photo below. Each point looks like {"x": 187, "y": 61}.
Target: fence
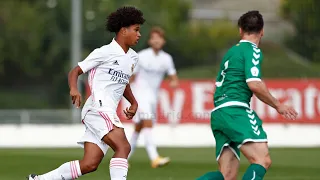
{"x": 50, "y": 116}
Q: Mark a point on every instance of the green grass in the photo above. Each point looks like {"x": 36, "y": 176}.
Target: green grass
{"x": 277, "y": 63}
{"x": 187, "y": 163}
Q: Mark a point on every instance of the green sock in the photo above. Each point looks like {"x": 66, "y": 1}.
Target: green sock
{"x": 217, "y": 175}
{"x": 254, "y": 172}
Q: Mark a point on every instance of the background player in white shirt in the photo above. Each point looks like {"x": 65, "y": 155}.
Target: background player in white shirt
{"x": 110, "y": 68}
{"x": 153, "y": 65}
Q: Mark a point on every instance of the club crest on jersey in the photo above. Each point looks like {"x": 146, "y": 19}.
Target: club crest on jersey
{"x": 254, "y": 71}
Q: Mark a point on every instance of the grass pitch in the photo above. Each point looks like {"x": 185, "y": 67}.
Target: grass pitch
{"x": 187, "y": 163}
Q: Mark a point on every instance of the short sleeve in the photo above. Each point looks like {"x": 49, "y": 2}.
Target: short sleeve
{"x": 253, "y": 59}
{"x": 136, "y": 69}
{"x": 171, "y": 68}
{"x": 94, "y": 59}
{"x": 137, "y": 65}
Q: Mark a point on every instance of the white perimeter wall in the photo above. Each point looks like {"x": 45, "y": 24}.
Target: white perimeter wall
{"x": 188, "y": 135}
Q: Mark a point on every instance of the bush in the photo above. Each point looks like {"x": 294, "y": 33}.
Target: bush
{"x": 200, "y": 44}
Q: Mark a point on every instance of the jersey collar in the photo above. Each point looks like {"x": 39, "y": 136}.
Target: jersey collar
{"x": 248, "y": 42}
{"x": 153, "y": 53}
{"x": 117, "y": 46}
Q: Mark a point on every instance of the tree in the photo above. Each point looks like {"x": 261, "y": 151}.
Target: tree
{"x": 35, "y": 42}
{"x": 305, "y": 16}
{"x": 21, "y": 37}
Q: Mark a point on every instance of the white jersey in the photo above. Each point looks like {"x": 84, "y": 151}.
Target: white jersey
{"x": 109, "y": 70}
{"x": 151, "y": 70}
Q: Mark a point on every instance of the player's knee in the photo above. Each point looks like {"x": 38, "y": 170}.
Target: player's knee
{"x": 230, "y": 171}
{"x": 267, "y": 162}
{"x": 92, "y": 167}
{"x": 138, "y": 128}
{"x": 228, "y": 165}
{"x": 147, "y": 124}
{"x": 127, "y": 148}
{"x": 89, "y": 166}
{"x": 264, "y": 161}
{"x": 229, "y": 174}
{"x": 123, "y": 148}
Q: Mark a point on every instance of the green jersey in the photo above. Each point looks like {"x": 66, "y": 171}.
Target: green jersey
{"x": 241, "y": 64}
{"x": 233, "y": 122}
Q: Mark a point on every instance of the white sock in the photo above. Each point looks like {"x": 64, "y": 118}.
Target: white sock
{"x": 149, "y": 143}
{"x": 133, "y": 142}
{"x": 67, "y": 171}
{"x": 118, "y": 168}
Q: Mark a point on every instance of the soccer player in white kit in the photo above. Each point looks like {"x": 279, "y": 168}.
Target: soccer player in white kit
{"x": 110, "y": 68}
{"x": 153, "y": 65}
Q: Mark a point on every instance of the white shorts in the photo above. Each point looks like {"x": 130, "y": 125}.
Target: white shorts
{"x": 98, "y": 124}
{"x": 147, "y": 109}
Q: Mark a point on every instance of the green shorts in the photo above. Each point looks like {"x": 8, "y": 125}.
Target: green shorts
{"x": 235, "y": 125}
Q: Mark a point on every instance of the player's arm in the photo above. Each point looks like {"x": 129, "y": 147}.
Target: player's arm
{"x": 93, "y": 60}
{"x": 253, "y": 60}
{"x": 73, "y": 77}
{"x": 129, "y": 95}
{"x": 172, "y": 74}
{"x": 174, "y": 80}
{"x": 253, "y": 79}
{"x": 261, "y": 91}
{"x": 73, "y": 85}
{"x": 132, "y": 78}
{"x": 130, "y": 112}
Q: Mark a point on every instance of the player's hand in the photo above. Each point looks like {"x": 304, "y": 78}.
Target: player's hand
{"x": 174, "y": 84}
{"x": 131, "y": 111}
{"x": 287, "y": 111}
{"x": 75, "y": 97}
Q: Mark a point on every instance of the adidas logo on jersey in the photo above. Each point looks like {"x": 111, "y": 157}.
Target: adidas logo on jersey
{"x": 116, "y": 62}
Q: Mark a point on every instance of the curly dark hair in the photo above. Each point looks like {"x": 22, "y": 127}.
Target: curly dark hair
{"x": 124, "y": 17}
{"x": 251, "y": 22}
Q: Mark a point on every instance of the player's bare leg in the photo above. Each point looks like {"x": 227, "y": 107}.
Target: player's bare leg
{"x": 258, "y": 155}
{"x": 91, "y": 159}
{"x": 74, "y": 169}
{"x": 135, "y": 137}
{"x": 117, "y": 140}
{"x": 156, "y": 160}
{"x": 228, "y": 167}
{"x": 228, "y": 164}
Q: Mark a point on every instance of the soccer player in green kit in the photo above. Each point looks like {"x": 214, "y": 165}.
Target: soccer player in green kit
{"x": 235, "y": 126}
